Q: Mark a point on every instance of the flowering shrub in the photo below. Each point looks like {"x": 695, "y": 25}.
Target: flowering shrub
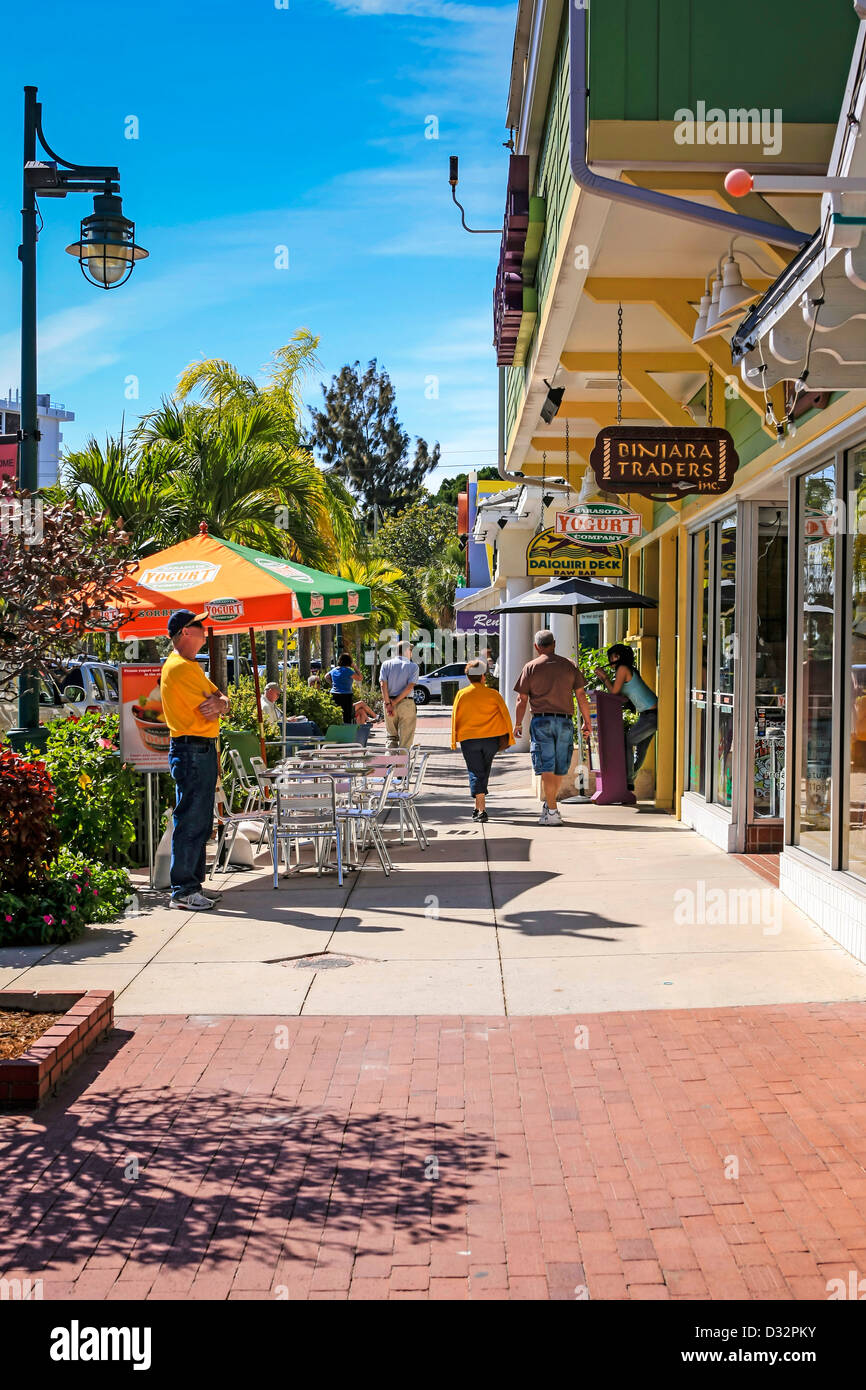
{"x": 95, "y": 793}
{"x": 58, "y": 907}
{"x": 28, "y": 832}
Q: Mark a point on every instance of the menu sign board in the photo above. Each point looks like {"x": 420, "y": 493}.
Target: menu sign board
{"x": 144, "y": 736}
{"x": 599, "y": 523}
{"x": 664, "y": 463}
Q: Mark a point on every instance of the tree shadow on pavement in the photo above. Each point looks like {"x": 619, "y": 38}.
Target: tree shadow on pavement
{"x": 553, "y": 922}
{"x": 171, "y": 1175}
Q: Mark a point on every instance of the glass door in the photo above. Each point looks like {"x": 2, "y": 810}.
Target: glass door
{"x": 817, "y": 565}
{"x": 768, "y": 672}
{"x": 700, "y": 638}
{"x": 725, "y": 660}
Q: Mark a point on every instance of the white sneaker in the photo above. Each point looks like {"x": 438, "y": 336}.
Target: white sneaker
{"x": 553, "y": 817}
{"x": 543, "y": 818}
{"x": 194, "y": 902}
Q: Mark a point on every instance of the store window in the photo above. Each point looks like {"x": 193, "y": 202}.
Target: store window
{"x": 700, "y": 650}
{"x": 770, "y": 639}
{"x": 814, "y": 783}
{"x": 725, "y": 660}
{"x": 856, "y": 690}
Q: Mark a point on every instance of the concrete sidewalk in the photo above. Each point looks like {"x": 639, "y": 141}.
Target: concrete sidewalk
{"x": 621, "y": 908}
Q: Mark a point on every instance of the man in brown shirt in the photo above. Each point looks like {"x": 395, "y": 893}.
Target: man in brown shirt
{"x": 550, "y": 683}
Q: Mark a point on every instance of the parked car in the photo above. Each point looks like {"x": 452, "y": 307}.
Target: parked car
{"x": 429, "y": 687}
{"x": 98, "y": 679}
{"x": 53, "y": 703}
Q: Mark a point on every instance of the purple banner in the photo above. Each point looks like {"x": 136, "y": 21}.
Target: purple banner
{"x": 488, "y": 623}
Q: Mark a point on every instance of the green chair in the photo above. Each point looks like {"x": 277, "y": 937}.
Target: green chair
{"x": 341, "y": 733}
{"x": 246, "y": 744}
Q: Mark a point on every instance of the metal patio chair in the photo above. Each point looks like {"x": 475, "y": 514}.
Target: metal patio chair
{"x": 405, "y": 796}
{"x": 364, "y": 816}
{"x": 305, "y": 808}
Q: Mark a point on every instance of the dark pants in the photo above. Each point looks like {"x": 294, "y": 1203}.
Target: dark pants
{"x": 478, "y": 754}
{"x": 192, "y": 763}
{"x": 638, "y": 737}
{"x": 347, "y": 705}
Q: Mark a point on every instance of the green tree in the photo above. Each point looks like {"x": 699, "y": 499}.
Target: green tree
{"x": 439, "y": 581}
{"x": 360, "y": 438}
{"x": 411, "y": 541}
{"x": 389, "y": 603}
{"x": 450, "y": 488}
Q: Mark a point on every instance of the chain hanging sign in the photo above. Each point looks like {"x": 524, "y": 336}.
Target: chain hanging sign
{"x": 599, "y": 523}
{"x": 664, "y": 463}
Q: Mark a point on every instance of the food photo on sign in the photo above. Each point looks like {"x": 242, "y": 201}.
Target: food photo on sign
{"x": 144, "y": 734}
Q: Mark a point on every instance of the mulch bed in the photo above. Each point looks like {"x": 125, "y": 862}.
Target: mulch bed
{"x": 19, "y": 1029}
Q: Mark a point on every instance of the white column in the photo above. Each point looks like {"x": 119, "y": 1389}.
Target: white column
{"x": 516, "y": 632}
{"x": 562, "y": 627}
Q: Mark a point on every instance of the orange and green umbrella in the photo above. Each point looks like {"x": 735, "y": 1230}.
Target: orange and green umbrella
{"x": 236, "y": 588}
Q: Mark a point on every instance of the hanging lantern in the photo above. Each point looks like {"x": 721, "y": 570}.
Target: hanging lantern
{"x": 107, "y": 251}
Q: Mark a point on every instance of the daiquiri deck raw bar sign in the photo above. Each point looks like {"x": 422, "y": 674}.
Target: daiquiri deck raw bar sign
{"x": 664, "y": 463}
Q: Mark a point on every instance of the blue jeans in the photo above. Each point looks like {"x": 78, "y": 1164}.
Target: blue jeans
{"x": 638, "y": 737}
{"x": 192, "y": 763}
{"x": 478, "y": 754}
{"x": 551, "y": 741}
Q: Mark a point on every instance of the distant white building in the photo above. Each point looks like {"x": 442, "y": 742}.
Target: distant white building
{"x": 51, "y": 416}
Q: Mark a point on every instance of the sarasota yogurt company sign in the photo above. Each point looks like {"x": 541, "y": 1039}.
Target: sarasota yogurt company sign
{"x": 599, "y": 523}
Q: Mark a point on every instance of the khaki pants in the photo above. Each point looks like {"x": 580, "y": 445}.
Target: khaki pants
{"x": 400, "y": 726}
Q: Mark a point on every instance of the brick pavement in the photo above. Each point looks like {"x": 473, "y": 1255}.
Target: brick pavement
{"x": 692, "y": 1154}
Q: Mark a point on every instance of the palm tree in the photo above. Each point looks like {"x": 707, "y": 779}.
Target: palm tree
{"x": 439, "y": 582}
{"x": 389, "y": 603}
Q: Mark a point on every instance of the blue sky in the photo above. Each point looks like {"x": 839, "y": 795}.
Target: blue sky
{"x": 258, "y": 127}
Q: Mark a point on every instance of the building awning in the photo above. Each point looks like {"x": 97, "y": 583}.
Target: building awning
{"x": 482, "y": 601}
{"x": 811, "y": 323}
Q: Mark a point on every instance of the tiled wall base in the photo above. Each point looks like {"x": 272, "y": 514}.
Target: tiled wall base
{"x": 718, "y": 829}
{"x": 839, "y": 910}
{"x": 765, "y": 837}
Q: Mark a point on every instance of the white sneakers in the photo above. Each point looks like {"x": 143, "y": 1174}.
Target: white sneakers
{"x": 549, "y": 817}
{"x": 194, "y": 902}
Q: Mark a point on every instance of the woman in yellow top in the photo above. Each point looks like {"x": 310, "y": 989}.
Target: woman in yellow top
{"x": 481, "y": 724}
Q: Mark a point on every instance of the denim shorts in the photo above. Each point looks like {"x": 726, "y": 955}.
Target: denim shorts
{"x": 551, "y": 741}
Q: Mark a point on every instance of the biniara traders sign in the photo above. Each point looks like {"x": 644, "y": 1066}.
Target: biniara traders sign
{"x": 664, "y": 463}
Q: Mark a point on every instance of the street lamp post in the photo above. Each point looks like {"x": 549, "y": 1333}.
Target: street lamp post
{"x": 107, "y": 253}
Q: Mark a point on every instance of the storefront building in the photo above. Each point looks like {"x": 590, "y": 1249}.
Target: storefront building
{"x": 756, "y": 648}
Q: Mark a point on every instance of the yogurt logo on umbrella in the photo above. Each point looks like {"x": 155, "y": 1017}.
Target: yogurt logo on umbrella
{"x": 225, "y": 610}
{"x": 352, "y": 599}
{"x": 317, "y": 604}
{"x": 180, "y": 574}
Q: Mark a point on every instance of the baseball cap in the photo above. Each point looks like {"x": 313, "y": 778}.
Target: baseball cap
{"x": 184, "y": 617}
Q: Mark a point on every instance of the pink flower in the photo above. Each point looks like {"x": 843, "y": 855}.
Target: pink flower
{"x": 63, "y": 922}
{"x": 49, "y": 920}
{"x": 77, "y": 889}
{"x": 73, "y": 909}
{"x": 95, "y": 894}
{"x": 8, "y": 917}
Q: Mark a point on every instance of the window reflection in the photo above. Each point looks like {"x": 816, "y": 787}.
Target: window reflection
{"x": 857, "y": 675}
{"x": 814, "y": 783}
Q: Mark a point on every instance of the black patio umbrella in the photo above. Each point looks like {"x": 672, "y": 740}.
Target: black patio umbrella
{"x": 572, "y": 595}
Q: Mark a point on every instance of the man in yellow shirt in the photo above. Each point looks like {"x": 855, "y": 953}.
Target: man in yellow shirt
{"x": 191, "y": 706}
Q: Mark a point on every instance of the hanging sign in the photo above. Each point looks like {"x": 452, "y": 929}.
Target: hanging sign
{"x": 144, "y": 735}
{"x": 664, "y": 463}
{"x": 549, "y": 553}
{"x": 599, "y": 523}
